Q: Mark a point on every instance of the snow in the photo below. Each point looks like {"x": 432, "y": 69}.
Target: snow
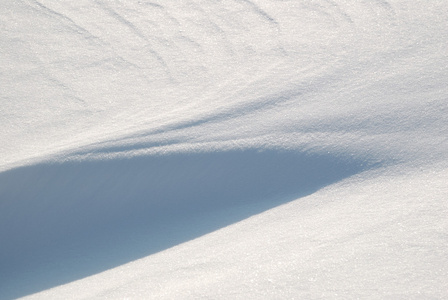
{"x": 223, "y": 149}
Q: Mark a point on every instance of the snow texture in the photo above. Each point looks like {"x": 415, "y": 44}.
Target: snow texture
{"x": 262, "y": 149}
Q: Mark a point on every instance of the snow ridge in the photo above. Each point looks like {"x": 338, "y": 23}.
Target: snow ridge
{"x": 219, "y": 149}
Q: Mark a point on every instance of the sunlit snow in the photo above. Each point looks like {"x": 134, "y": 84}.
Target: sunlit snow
{"x": 253, "y": 149}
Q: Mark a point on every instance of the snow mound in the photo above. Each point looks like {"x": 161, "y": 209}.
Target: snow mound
{"x": 221, "y": 149}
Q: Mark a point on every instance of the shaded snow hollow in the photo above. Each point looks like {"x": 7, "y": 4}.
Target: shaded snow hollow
{"x": 223, "y": 149}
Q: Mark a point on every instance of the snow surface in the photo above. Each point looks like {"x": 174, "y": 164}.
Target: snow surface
{"x": 260, "y": 149}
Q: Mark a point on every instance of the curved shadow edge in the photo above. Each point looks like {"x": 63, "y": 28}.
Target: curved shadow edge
{"x": 64, "y": 221}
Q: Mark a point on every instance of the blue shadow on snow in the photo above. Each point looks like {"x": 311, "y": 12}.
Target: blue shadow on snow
{"x": 64, "y": 221}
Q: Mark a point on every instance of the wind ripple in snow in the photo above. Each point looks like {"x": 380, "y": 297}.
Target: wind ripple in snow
{"x": 99, "y": 78}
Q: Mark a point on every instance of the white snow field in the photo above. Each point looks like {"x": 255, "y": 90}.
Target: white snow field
{"x": 200, "y": 149}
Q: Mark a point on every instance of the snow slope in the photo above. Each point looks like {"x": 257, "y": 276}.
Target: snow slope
{"x": 223, "y": 149}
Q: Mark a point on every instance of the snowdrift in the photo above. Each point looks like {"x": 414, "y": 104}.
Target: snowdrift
{"x": 223, "y": 149}
{"x": 84, "y": 217}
